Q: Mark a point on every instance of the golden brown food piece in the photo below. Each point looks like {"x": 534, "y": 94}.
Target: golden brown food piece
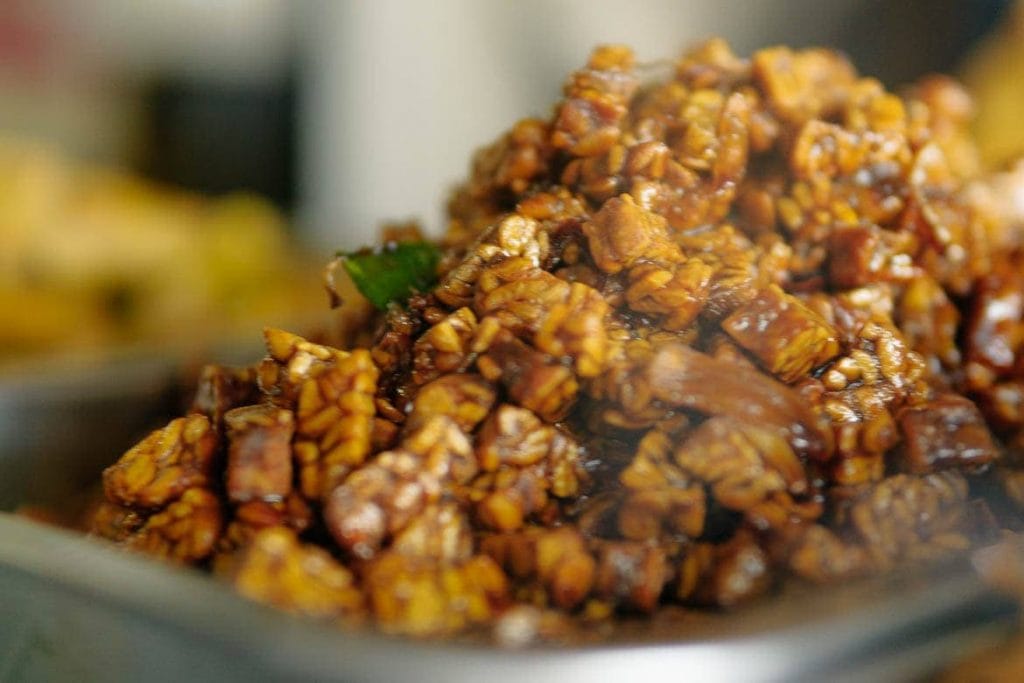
{"x": 740, "y": 268}
{"x": 573, "y": 329}
{"x": 678, "y": 292}
{"x": 994, "y": 330}
{"x": 930, "y": 322}
{"x": 383, "y": 497}
{"x": 624, "y": 393}
{"x": 509, "y": 492}
{"x": 275, "y": 568}
{"x": 525, "y": 462}
{"x": 291, "y": 361}
{"x": 949, "y": 118}
{"x": 390, "y": 352}
{"x": 259, "y": 453}
{"x": 597, "y": 99}
{"x": 631, "y": 575}
{"x": 725, "y": 575}
{"x": 507, "y": 498}
{"x": 662, "y": 497}
{"x": 557, "y": 559}
{"x": 518, "y": 293}
{"x": 510, "y": 439}
{"x": 162, "y": 466}
{"x": 441, "y": 532}
{"x": 838, "y": 153}
{"x": 956, "y": 250}
{"x": 562, "y": 319}
{"x": 445, "y": 450}
{"x": 861, "y": 391}
{"x": 622, "y": 234}
{"x": 114, "y": 522}
{"x": 513, "y": 236}
{"x": 480, "y": 200}
{"x": 384, "y": 435}
{"x": 787, "y": 337}
{"x": 709, "y": 152}
{"x": 513, "y": 160}
{"x": 186, "y": 531}
{"x": 802, "y": 85}
{"x": 465, "y": 398}
{"x": 334, "y": 422}
{"x": 414, "y": 596}
{"x": 741, "y": 464}
{"x": 378, "y": 500}
{"x": 444, "y": 347}
{"x": 821, "y": 556}
{"x": 512, "y": 436}
{"x": 994, "y": 339}
{"x": 251, "y": 517}
{"x": 812, "y": 211}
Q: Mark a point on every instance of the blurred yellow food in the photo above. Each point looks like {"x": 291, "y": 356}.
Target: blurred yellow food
{"x": 994, "y": 74}
{"x": 92, "y": 257}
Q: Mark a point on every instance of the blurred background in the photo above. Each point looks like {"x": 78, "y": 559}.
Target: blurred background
{"x": 175, "y": 172}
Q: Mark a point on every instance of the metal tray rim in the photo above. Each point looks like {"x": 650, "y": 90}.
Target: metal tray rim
{"x": 187, "y": 601}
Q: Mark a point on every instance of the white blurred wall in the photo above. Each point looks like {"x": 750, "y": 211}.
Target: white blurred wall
{"x": 397, "y": 94}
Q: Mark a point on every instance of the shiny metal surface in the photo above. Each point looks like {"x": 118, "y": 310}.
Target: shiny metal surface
{"x": 74, "y": 609}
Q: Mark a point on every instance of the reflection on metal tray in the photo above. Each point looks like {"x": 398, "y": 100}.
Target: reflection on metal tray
{"x": 73, "y": 609}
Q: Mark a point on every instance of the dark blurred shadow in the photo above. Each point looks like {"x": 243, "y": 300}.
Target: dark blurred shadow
{"x": 899, "y": 41}
{"x": 219, "y": 138}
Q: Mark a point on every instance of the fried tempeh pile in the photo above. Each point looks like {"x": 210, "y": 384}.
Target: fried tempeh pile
{"x": 755, "y": 319}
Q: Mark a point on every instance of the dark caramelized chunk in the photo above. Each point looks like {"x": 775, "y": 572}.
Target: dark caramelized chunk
{"x": 533, "y": 379}
{"x": 787, "y": 337}
{"x": 994, "y": 329}
{"x": 863, "y": 254}
{"x": 684, "y": 377}
{"x": 947, "y": 432}
{"x": 259, "y": 453}
{"x": 222, "y": 388}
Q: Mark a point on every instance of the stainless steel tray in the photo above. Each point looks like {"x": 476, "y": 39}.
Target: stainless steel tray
{"x": 74, "y": 609}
